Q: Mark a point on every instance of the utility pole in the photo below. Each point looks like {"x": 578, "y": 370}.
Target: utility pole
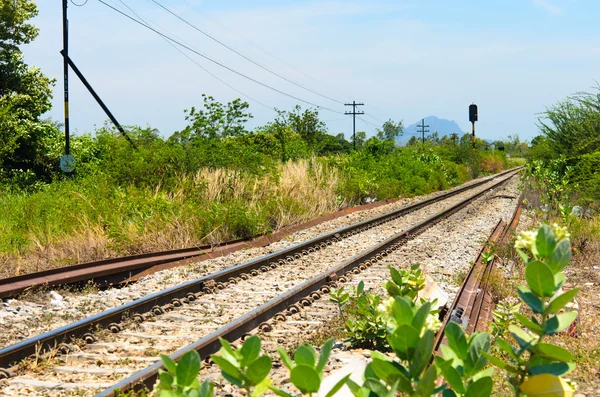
{"x": 422, "y": 129}
{"x": 66, "y": 74}
{"x": 67, "y": 162}
{"x": 354, "y": 113}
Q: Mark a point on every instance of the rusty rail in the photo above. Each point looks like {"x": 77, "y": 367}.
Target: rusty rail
{"x": 117, "y": 271}
{"x": 316, "y": 285}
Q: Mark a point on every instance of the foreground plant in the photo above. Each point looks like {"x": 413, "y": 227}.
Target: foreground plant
{"x": 181, "y": 379}
{"x": 245, "y": 367}
{"x": 534, "y": 367}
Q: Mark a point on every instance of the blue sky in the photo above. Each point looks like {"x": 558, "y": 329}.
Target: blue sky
{"x": 404, "y": 59}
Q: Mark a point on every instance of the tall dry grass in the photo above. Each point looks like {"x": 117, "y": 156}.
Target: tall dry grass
{"x": 210, "y": 206}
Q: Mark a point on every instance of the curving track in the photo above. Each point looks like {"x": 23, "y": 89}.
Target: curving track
{"x": 228, "y": 303}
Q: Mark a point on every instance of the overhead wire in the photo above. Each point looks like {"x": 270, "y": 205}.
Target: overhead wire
{"x": 225, "y": 27}
{"x": 242, "y": 55}
{"x": 197, "y": 64}
{"x": 215, "y": 61}
{"x": 216, "y": 21}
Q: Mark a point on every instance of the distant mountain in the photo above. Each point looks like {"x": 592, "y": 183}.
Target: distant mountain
{"x": 442, "y": 126}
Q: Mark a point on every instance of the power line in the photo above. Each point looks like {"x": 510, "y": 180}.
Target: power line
{"x": 242, "y": 55}
{"x": 216, "y": 21}
{"x": 216, "y": 62}
{"x": 197, "y": 64}
{"x": 368, "y": 122}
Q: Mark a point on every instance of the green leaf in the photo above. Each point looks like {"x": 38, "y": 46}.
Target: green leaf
{"x": 560, "y": 322}
{"x": 553, "y": 352}
{"x": 166, "y": 380}
{"x": 545, "y": 241}
{"x": 449, "y": 354}
{"x": 392, "y": 289}
{"x": 540, "y": 278}
{"x": 523, "y": 339}
{"x": 404, "y": 339}
{"x": 557, "y": 369}
{"x": 360, "y": 288}
{"x": 261, "y": 388}
{"x": 385, "y": 370}
{"x": 337, "y": 386}
{"x": 476, "y": 361}
{"x": 457, "y": 340}
{"x": 426, "y": 383}
{"x": 482, "y": 374}
{"x": 561, "y": 300}
{"x": 285, "y": 358}
{"x": 279, "y": 392}
{"x": 188, "y": 368}
{"x": 523, "y": 256}
{"x": 454, "y": 380}
{"x": 206, "y": 389}
{"x": 422, "y": 354}
{"x": 480, "y": 388}
{"x": 530, "y": 299}
{"x": 495, "y": 361}
{"x": 559, "y": 280}
{"x": 529, "y": 324}
{"x": 306, "y": 355}
{"x": 504, "y": 345}
{"x": 402, "y": 310}
{"x": 227, "y": 367}
{"x": 169, "y": 364}
{"x": 250, "y": 350}
{"x": 228, "y": 352}
{"x": 305, "y": 378}
{"x": 324, "y": 356}
{"x": 396, "y": 276}
{"x": 258, "y": 370}
{"x": 561, "y": 256}
{"x": 449, "y": 393}
{"x": 421, "y": 316}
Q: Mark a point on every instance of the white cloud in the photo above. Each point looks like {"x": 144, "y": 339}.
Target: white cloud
{"x": 549, "y": 7}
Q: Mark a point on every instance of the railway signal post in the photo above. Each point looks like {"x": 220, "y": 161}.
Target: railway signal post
{"x": 473, "y": 119}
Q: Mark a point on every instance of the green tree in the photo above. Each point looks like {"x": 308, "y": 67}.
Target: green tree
{"x": 390, "y": 130}
{"x": 304, "y": 123}
{"x": 216, "y": 120}
{"x": 25, "y": 93}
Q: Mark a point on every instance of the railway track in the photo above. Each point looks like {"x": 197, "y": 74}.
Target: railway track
{"x": 119, "y": 271}
{"x": 201, "y": 310}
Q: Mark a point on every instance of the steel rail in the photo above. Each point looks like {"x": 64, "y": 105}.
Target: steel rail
{"x": 318, "y": 284}
{"x": 113, "y": 271}
{"x": 469, "y": 303}
{"x": 104, "y": 272}
{"x": 163, "y": 300}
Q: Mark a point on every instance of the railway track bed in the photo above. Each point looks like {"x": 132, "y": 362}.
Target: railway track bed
{"x": 134, "y": 346}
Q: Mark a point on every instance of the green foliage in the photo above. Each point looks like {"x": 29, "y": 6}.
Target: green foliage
{"x": 181, "y": 379}
{"x": 551, "y": 179}
{"x": 306, "y": 370}
{"x": 504, "y": 316}
{"x": 244, "y": 367}
{"x": 365, "y": 325}
{"x": 25, "y": 93}
{"x": 533, "y": 366}
{"x": 216, "y": 120}
{"x": 571, "y": 136}
{"x": 405, "y": 282}
{"x": 390, "y": 130}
